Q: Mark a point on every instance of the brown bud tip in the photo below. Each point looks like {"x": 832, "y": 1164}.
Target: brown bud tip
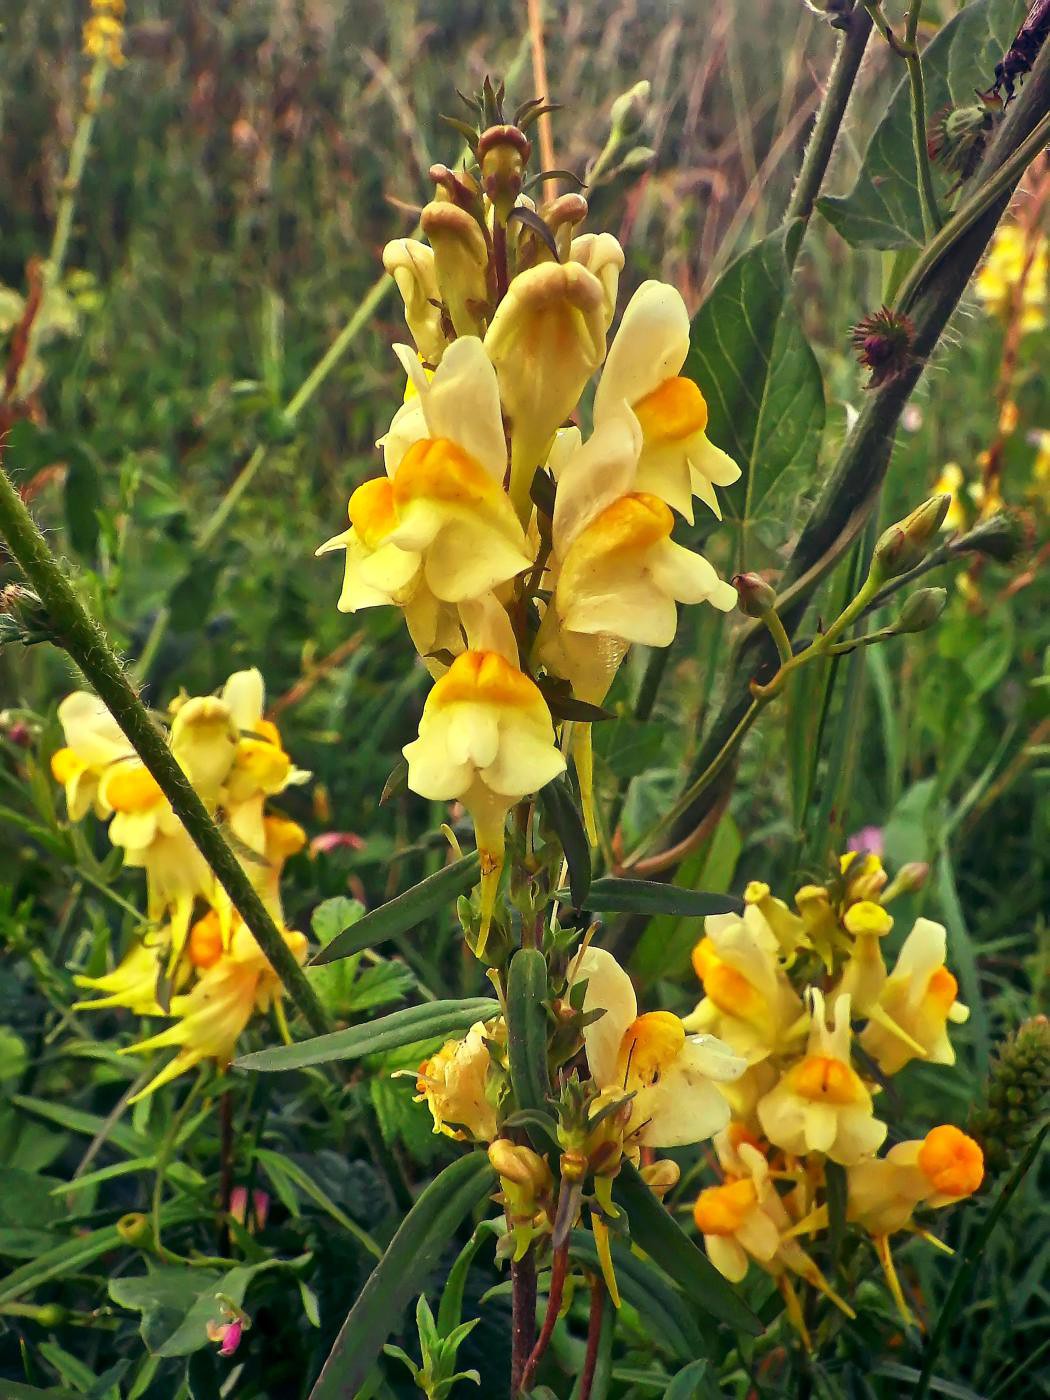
{"x": 913, "y": 876}
{"x": 883, "y": 343}
{"x": 755, "y": 596}
{"x": 906, "y": 544}
{"x": 506, "y": 136}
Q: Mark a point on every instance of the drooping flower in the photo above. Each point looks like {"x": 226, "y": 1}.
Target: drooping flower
{"x": 94, "y": 741}
{"x": 132, "y": 983}
{"x": 678, "y": 460}
{"x": 546, "y": 340}
{"x": 455, "y": 1082}
{"x": 411, "y": 265}
{"x": 485, "y": 738}
{"x": 672, "y": 1076}
{"x": 461, "y": 263}
{"x": 260, "y": 767}
{"x": 821, "y": 1104}
{"x": 918, "y": 999}
{"x": 748, "y": 1001}
{"x": 210, "y": 1018}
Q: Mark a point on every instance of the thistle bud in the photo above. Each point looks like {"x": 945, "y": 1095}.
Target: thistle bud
{"x": 23, "y": 617}
{"x": 630, "y": 109}
{"x": 957, "y": 136}
{"x": 921, "y": 610}
{"x": 883, "y": 342}
{"x": 1015, "y": 1095}
{"x": 907, "y": 543}
{"x": 755, "y": 596}
{"x": 503, "y": 153}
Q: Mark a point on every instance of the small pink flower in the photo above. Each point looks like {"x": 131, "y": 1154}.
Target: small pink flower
{"x": 335, "y": 841}
{"x": 239, "y": 1207}
{"x": 867, "y": 841}
{"x": 228, "y": 1333}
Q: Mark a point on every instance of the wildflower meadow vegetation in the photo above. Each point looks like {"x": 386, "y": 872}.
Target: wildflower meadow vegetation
{"x": 525, "y": 683}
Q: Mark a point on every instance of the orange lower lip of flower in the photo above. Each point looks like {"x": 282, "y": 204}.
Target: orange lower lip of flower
{"x": 672, "y": 412}
{"x": 731, "y": 992}
{"x": 484, "y": 677}
{"x": 205, "y": 941}
{"x": 632, "y": 523}
{"x": 65, "y": 766}
{"x": 437, "y": 469}
{"x": 650, "y": 1044}
{"x": 942, "y": 989}
{"x": 132, "y": 789}
{"x": 721, "y": 1210}
{"x": 952, "y": 1161}
{"x": 825, "y": 1080}
{"x": 372, "y": 512}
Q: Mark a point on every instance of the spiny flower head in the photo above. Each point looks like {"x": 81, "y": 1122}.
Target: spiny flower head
{"x": 883, "y": 342}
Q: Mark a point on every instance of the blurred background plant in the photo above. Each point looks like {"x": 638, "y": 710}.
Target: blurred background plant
{"x": 247, "y": 163}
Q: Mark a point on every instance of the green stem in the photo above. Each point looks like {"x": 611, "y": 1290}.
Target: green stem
{"x": 832, "y": 111}
{"x": 167, "y": 1147}
{"x": 1003, "y": 180}
{"x": 931, "y": 216}
{"x": 78, "y": 634}
{"x": 973, "y": 1256}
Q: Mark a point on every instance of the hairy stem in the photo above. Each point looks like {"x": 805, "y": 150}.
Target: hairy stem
{"x": 832, "y": 111}
{"x": 523, "y": 1316}
{"x": 78, "y": 634}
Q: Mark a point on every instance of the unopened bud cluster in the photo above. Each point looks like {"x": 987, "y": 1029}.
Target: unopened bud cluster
{"x": 1016, "y": 1095}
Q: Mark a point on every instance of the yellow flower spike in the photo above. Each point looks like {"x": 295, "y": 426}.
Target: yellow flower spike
{"x": 454, "y": 1085}
{"x": 603, "y": 1246}
{"x": 132, "y": 984}
{"x": 678, "y": 460}
{"x": 672, "y": 1076}
{"x": 1003, "y": 269}
{"x": 204, "y": 742}
{"x": 546, "y": 340}
{"x": 822, "y": 926}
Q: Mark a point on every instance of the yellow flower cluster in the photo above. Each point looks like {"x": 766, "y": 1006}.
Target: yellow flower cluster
{"x": 803, "y": 1100}
{"x": 104, "y": 32}
{"x": 235, "y": 760}
{"x": 510, "y": 327}
{"x": 1015, "y": 275}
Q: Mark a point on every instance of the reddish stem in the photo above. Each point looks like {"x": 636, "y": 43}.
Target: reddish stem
{"x": 594, "y": 1332}
{"x": 559, "y": 1269}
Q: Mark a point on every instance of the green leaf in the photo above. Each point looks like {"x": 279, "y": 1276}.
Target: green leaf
{"x": 882, "y": 210}
{"x": 333, "y": 916}
{"x": 693, "y": 1382}
{"x": 450, "y": 1309}
{"x": 178, "y": 1303}
{"x": 404, "y": 912}
{"x": 15, "y": 1390}
{"x": 397, "y": 1278}
{"x": 83, "y": 499}
{"x": 276, "y": 1166}
{"x": 431, "y": 1021}
{"x": 527, "y": 1029}
{"x": 610, "y": 895}
{"x": 90, "y": 1124}
{"x": 654, "y": 1229}
{"x": 560, "y": 807}
{"x": 762, "y": 383}
{"x": 670, "y": 1320}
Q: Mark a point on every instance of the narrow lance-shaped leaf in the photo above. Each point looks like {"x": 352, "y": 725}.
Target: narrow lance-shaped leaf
{"x": 427, "y": 1022}
{"x": 560, "y": 806}
{"x": 404, "y": 912}
{"x": 610, "y": 895}
{"x": 527, "y": 1028}
{"x": 763, "y": 388}
{"x": 400, "y": 1274}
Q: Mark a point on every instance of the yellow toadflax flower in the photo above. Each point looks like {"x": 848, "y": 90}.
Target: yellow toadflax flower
{"x": 411, "y": 265}
{"x": 133, "y": 982}
{"x": 821, "y": 1104}
{"x": 232, "y": 985}
{"x": 746, "y": 1219}
{"x": 260, "y": 768}
{"x": 1016, "y": 253}
{"x": 672, "y": 1076}
{"x": 748, "y": 1001}
{"x": 485, "y": 739}
{"x": 678, "y": 460}
{"x": 454, "y": 1084}
{"x": 439, "y": 529}
{"x": 94, "y": 742}
{"x": 916, "y": 1004}
{"x": 931, "y": 1172}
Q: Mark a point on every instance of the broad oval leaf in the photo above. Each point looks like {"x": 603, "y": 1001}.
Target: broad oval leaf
{"x": 611, "y": 895}
{"x": 527, "y": 1029}
{"x": 882, "y": 210}
{"x": 400, "y": 1274}
{"x": 405, "y": 911}
{"x": 762, "y": 383}
{"x": 427, "y": 1022}
{"x": 655, "y": 1230}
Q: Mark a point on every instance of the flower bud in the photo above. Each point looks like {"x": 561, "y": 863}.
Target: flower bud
{"x": 135, "y": 1229}
{"x": 520, "y": 1165}
{"x": 908, "y": 880}
{"x": 630, "y": 109}
{"x": 23, "y": 617}
{"x": 1000, "y": 537}
{"x": 461, "y": 261}
{"x": 503, "y": 153}
{"x": 907, "y": 543}
{"x": 662, "y": 1176}
{"x": 755, "y": 596}
{"x": 1015, "y": 1095}
{"x": 921, "y": 610}
{"x": 883, "y": 343}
